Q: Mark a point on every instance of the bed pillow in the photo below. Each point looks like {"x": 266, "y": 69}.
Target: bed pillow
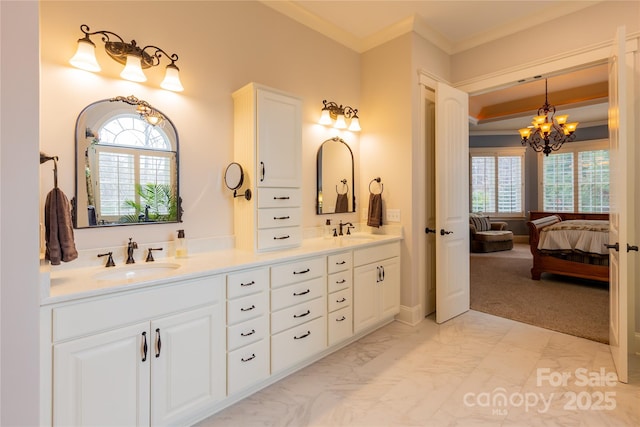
{"x": 480, "y": 222}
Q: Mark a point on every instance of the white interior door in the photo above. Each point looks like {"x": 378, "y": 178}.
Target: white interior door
{"x": 452, "y": 202}
{"x": 619, "y": 295}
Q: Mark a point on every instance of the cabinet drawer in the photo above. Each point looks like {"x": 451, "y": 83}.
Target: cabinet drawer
{"x": 247, "y": 282}
{"x": 278, "y": 217}
{"x": 279, "y": 197}
{"x": 339, "y": 299}
{"x": 339, "y": 262}
{"x": 376, "y": 253}
{"x": 297, "y": 293}
{"x": 247, "y": 332}
{"x": 247, "y": 366}
{"x": 339, "y": 281}
{"x": 278, "y": 238}
{"x": 292, "y": 272}
{"x": 296, "y": 315}
{"x": 296, "y": 344}
{"x": 340, "y": 325}
{"x": 245, "y": 308}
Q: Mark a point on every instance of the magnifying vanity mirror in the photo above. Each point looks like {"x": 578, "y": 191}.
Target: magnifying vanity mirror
{"x": 335, "y": 178}
{"x": 126, "y": 165}
{"x": 234, "y": 178}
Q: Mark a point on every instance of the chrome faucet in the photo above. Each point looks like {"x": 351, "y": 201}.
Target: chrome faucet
{"x": 130, "y": 247}
{"x": 348, "y": 225}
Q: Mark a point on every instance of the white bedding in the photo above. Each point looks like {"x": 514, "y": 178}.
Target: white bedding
{"x": 583, "y": 236}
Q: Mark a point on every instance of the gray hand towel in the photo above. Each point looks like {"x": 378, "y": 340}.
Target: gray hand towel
{"x": 58, "y": 228}
{"x": 342, "y": 203}
{"x": 374, "y": 218}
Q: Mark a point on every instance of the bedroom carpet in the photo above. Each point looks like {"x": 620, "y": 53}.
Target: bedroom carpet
{"x": 501, "y": 285}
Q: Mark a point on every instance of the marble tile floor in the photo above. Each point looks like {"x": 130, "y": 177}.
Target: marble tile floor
{"x": 474, "y": 370}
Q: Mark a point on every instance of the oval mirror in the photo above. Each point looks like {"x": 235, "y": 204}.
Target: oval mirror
{"x": 233, "y": 176}
{"x": 126, "y": 165}
{"x": 335, "y": 178}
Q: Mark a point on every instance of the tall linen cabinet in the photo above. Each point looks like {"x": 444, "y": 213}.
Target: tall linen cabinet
{"x": 267, "y": 144}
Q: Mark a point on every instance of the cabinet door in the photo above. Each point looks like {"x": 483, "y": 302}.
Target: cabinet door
{"x": 390, "y": 289}
{"x": 103, "y": 379}
{"x": 188, "y": 363}
{"x": 279, "y": 140}
{"x": 365, "y": 296}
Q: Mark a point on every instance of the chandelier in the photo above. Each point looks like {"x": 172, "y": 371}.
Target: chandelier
{"x": 548, "y": 132}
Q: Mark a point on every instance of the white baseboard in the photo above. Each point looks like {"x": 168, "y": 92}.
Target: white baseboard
{"x": 410, "y": 315}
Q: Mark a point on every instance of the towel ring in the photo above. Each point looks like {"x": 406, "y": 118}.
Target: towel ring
{"x": 45, "y": 158}
{"x": 378, "y": 180}
{"x": 344, "y": 185}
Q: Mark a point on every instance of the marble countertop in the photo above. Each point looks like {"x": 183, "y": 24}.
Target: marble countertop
{"x": 75, "y": 284}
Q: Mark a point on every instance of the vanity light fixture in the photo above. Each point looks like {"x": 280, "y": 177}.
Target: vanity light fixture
{"x": 130, "y": 54}
{"x": 335, "y": 114}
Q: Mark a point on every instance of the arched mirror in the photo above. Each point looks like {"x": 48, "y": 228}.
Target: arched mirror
{"x": 126, "y": 165}
{"x": 335, "y": 178}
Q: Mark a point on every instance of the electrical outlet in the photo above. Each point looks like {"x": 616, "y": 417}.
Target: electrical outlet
{"x": 393, "y": 215}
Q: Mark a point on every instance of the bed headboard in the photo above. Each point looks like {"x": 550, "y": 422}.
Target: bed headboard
{"x": 565, "y": 216}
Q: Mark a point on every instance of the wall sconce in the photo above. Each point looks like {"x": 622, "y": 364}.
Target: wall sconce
{"x": 130, "y": 54}
{"x": 332, "y": 111}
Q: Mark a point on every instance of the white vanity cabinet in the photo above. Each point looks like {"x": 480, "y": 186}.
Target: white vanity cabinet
{"x": 152, "y": 357}
{"x": 298, "y": 311}
{"x": 267, "y": 143}
{"x": 376, "y": 285}
{"x": 340, "y": 296}
{"x": 248, "y": 355}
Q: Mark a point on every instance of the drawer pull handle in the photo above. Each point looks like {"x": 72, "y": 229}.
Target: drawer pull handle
{"x": 302, "y": 272}
{"x": 342, "y": 319}
{"x": 281, "y": 217}
{"x": 340, "y": 282}
{"x": 341, "y": 300}
{"x": 248, "y": 284}
{"x": 297, "y": 316}
{"x": 248, "y": 308}
{"x": 281, "y": 238}
{"x": 144, "y": 347}
{"x": 262, "y": 175}
{"x": 341, "y": 263}
{"x": 297, "y": 294}
{"x": 253, "y": 356}
{"x": 242, "y": 334}
{"x": 282, "y": 198}
{"x": 158, "y": 342}
{"x": 302, "y": 336}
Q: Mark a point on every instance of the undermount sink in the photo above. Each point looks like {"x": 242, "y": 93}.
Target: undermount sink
{"x": 136, "y": 272}
{"x": 357, "y": 238}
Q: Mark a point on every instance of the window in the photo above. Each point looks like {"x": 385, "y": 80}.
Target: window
{"x": 132, "y": 180}
{"x": 576, "y": 178}
{"x": 497, "y": 181}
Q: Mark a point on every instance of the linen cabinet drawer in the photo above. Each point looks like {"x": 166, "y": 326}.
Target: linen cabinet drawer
{"x": 339, "y": 262}
{"x": 247, "y": 366}
{"x": 292, "y": 272}
{"x": 296, "y": 315}
{"x": 247, "y": 282}
{"x": 339, "y": 299}
{"x": 339, "y": 281}
{"x": 296, "y": 293}
{"x": 340, "y": 325}
{"x": 247, "y": 332}
{"x": 376, "y": 253}
{"x": 245, "y": 308}
{"x": 296, "y": 344}
{"x": 279, "y": 197}
{"x": 277, "y": 238}
{"x": 279, "y": 217}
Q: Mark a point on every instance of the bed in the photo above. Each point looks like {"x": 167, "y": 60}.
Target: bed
{"x": 570, "y": 244}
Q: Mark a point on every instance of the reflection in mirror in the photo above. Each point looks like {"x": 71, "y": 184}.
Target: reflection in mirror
{"x": 126, "y": 165}
{"x": 335, "y": 178}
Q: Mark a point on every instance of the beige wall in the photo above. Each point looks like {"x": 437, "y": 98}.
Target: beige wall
{"x": 221, "y": 47}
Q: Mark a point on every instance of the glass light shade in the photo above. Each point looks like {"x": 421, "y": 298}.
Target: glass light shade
{"x": 539, "y": 119}
{"x": 325, "y": 117}
{"x": 340, "y": 122}
{"x": 525, "y": 132}
{"x": 85, "y": 56}
{"x": 133, "y": 69}
{"x": 571, "y": 127}
{"x": 172, "y": 79}
{"x": 354, "y": 126}
{"x": 562, "y": 119}
{"x": 545, "y": 128}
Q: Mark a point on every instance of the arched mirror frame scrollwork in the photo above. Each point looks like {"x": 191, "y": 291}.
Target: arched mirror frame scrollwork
{"x": 151, "y": 203}
{"x": 333, "y": 179}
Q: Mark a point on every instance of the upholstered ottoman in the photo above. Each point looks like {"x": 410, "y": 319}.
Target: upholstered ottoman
{"x": 488, "y": 236}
